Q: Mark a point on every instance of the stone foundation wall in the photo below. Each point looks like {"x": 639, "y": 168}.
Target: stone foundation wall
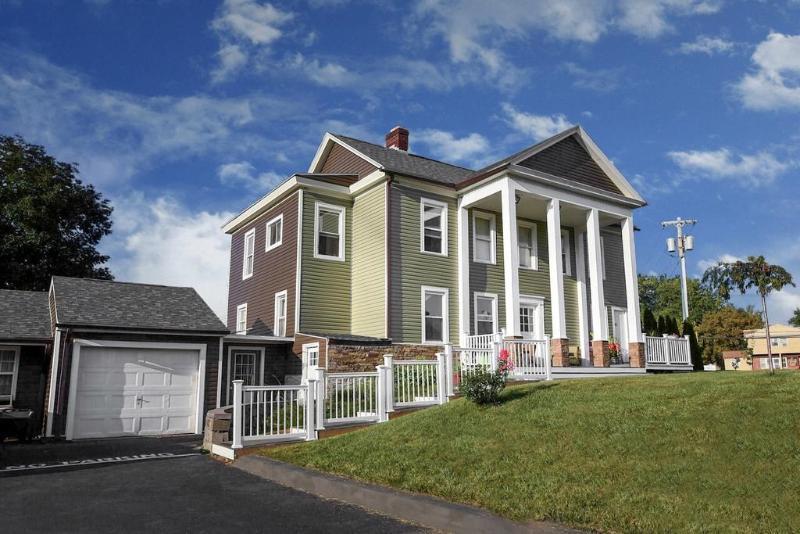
{"x": 358, "y": 358}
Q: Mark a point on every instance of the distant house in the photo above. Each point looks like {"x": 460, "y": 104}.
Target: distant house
{"x": 736, "y": 360}
{"x": 785, "y": 342}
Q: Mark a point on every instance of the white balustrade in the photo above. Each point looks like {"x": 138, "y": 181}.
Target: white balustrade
{"x": 530, "y": 359}
{"x": 272, "y": 412}
{"x": 415, "y": 382}
{"x": 351, "y": 397}
{"x": 667, "y": 350}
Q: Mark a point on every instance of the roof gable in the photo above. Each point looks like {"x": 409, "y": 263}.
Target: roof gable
{"x": 569, "y": 159}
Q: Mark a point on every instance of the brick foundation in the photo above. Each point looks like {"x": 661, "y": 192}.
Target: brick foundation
{"x": 559, "y": 349}
{"x": 636, "y": 354}
{"x": 600, "y": 356}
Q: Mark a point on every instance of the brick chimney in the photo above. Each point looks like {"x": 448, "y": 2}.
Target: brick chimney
{"x": 397, "y": 139}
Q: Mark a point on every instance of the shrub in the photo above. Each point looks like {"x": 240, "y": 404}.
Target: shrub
{"x": 482, "y": 387}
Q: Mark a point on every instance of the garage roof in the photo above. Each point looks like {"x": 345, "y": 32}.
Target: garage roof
{"x": 124, "y": 305}
{"x": 24, "y": 315}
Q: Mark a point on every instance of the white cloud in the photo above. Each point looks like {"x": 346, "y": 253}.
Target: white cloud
{"x": 159, "y": 241}
{"x": 447, "y": 147}
{"x": 600, "y": 80}
{"x": 243, "y": 173}
{"x": 775, "y": 82}
{"x": 722, "y": 258}
{"x": 650, "y": 18}
{"x": 243, "y": 27}
{"x": 756, "y": 169}
{"x": 707, "y": 45}
{"x": 537, "y": 127}
{"x": 325, "y": 74}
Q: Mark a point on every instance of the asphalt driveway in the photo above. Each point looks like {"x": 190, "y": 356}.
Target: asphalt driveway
{"x": 173, "y": 489}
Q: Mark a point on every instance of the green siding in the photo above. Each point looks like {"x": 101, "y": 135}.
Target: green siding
{"x": 410, "y": 269}
{"x": 485, "y": 277}
{"x": 614, "y": 284}
{"x": 369, "y": 260}
{"x": 325, "y": 284}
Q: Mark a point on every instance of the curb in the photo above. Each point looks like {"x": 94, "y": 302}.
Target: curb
{"x": 423, "y": 510}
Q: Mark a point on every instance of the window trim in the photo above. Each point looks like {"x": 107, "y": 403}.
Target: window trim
{"x": 14, "y": 374}
{"x": 247, "y": 235}
{"x": 539, "y": 302}
{"x": 280, "y": 294}
{"x": 534, "y": 245}
{"x": 241, "y": 308}
{"x": 279, "y": 242}
{"x": 444, "y": 218}
{"x": 566, "y": 251}
{"x": 492, "y": 236}
{"x": 342, "y": 213}
{"x": 445, "y": 292}
{"x": 478, "y": 294}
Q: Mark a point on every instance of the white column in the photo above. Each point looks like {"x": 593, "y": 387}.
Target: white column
{"x": 594, "y": 257}
{"x": 583, "y": 305}
{"x": 631, "y": 281}
{"x": 556, "y": 267}
{"x": 510, "y": 257}
{"x": 463, "y": 273}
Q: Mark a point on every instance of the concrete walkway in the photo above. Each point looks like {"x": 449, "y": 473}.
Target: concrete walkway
{"x": 424, "y": 510}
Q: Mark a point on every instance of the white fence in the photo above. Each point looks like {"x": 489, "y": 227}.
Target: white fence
{"x": 667, "y": 351}
{"x": 349, "y": 397}
{"x": 530, "y": 359}
{"x": 416, "y": 382}
{"x": 264, "y": 413}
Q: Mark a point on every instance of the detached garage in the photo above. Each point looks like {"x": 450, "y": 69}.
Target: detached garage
{"x": 130, "y": 359}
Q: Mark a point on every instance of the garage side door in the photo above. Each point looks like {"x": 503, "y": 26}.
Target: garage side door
{"x": 127, "y": 392}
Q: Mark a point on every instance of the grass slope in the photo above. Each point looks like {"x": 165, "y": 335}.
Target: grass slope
{"x": 695, "y": 452}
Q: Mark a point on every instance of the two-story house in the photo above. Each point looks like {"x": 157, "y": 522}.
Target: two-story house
{"x": 374, "y": 249}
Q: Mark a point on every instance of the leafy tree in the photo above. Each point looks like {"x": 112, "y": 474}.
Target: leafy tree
{"x": 795, "y": 318}
{"x": 694, "y": 346}
{"x": 50, "y": 222}
{"x": 649, "y": 323}
{"x": 662, "y": 295}
{"x": 744, "y": 275}
{"x": 722, "y": 330}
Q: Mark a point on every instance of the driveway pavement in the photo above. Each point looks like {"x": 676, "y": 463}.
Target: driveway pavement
{"x": 159, "y": 486}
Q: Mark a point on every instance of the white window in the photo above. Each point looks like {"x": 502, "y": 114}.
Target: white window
{"x": 528, "y": 245}
{"x": 566, "y": 253}
{"x": 9, "y": 366}
{"x": 241, "y": 318}
{"x": 603, "y": 256}
{"x": 433, "y": 227}
{"x": 249, "y": 253}
{"x": 275, "y": 232}
{"x": 779, "y": 341}
{"x": 329, "y": 232}
{"x": 434, "y": 315}
{"x": 279, "y": 328}
{"x": 485, "y": 313}
{"x": 483, "y": 237}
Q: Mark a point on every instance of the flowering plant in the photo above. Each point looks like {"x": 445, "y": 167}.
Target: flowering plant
{"x": 613, "y": 351}
{"x": 506, "y": 364}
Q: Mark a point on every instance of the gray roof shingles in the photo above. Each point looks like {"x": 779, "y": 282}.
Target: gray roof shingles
{"x": 409, "y": 164}
{"x": 124, "y": 305}
{"x": 24, "y": 315}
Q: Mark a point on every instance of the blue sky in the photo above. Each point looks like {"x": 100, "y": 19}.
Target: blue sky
{"x": 183, "y": 112}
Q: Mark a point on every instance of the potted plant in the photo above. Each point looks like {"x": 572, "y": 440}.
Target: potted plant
{"x": 613, "y": 352}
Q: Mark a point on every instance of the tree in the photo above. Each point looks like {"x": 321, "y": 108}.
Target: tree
{"x": 661, "y": 326}
{"x": 694, "y": 346}
{"x": 649, "y": 323}
{"x": 50, "y": 222}
{"x": 662, "y": 295}
{"x": 795, "y": 318}
{"x": 756, "y": 273}
{"x": 722, "y": 330}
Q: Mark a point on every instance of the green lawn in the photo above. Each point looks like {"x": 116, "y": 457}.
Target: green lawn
{"x": 704, "y": 452}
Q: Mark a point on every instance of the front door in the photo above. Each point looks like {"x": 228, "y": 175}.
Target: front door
{"x": 619, "y": 319}
{"x": 531, "y": 318}
{"x": 247, "y": 365}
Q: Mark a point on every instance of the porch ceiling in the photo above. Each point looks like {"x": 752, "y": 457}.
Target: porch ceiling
{"x": 535, "y": 208}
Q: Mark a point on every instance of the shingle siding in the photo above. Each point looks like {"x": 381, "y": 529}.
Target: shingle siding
{"x": 369, "y": 263}
{"x": 325, "y": 294}
{"x": 273, "y": 271}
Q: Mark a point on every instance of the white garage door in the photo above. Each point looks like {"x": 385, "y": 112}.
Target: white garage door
{"x": 127, "y": 391}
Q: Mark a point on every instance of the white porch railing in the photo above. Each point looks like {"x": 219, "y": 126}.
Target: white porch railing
{"x": 349, "y": 397}
{"x": 265, "y": 413}
{"x": 667, "y": 351}
{"x": 415, "y": 382}
{"x": 530, "y": 358}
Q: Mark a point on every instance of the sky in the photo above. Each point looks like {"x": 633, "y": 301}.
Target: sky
{"x": 183, "y": 112}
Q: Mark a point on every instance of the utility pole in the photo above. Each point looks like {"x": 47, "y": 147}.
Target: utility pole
{"x": 682, "y": 243}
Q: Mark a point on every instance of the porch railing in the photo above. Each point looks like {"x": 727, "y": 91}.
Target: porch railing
{"x": 530, "y": 359}
{"x": 266, "y": 413}
{"x": 349, "y": 397}
{"x": 416, "y": 382}
{"x": 667, "y": 350}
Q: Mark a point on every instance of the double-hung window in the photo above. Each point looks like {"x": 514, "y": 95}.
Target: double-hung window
{"x": 485, "y": 313}
{"x": 279, "y": 328}
{"x": 483, "y": 237}
{"x": 528, "y": 253}
{"x": 566, "y": 253}
{"x": 241, "y": 318}
{"x": 433, "y": 215}
{"x": 9, "y": 364}
{"x": 434, "y": 315}
{"x": 275, "y": 232}
{"x": 249, "y": 253}
{"x": 329, "y": 232}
